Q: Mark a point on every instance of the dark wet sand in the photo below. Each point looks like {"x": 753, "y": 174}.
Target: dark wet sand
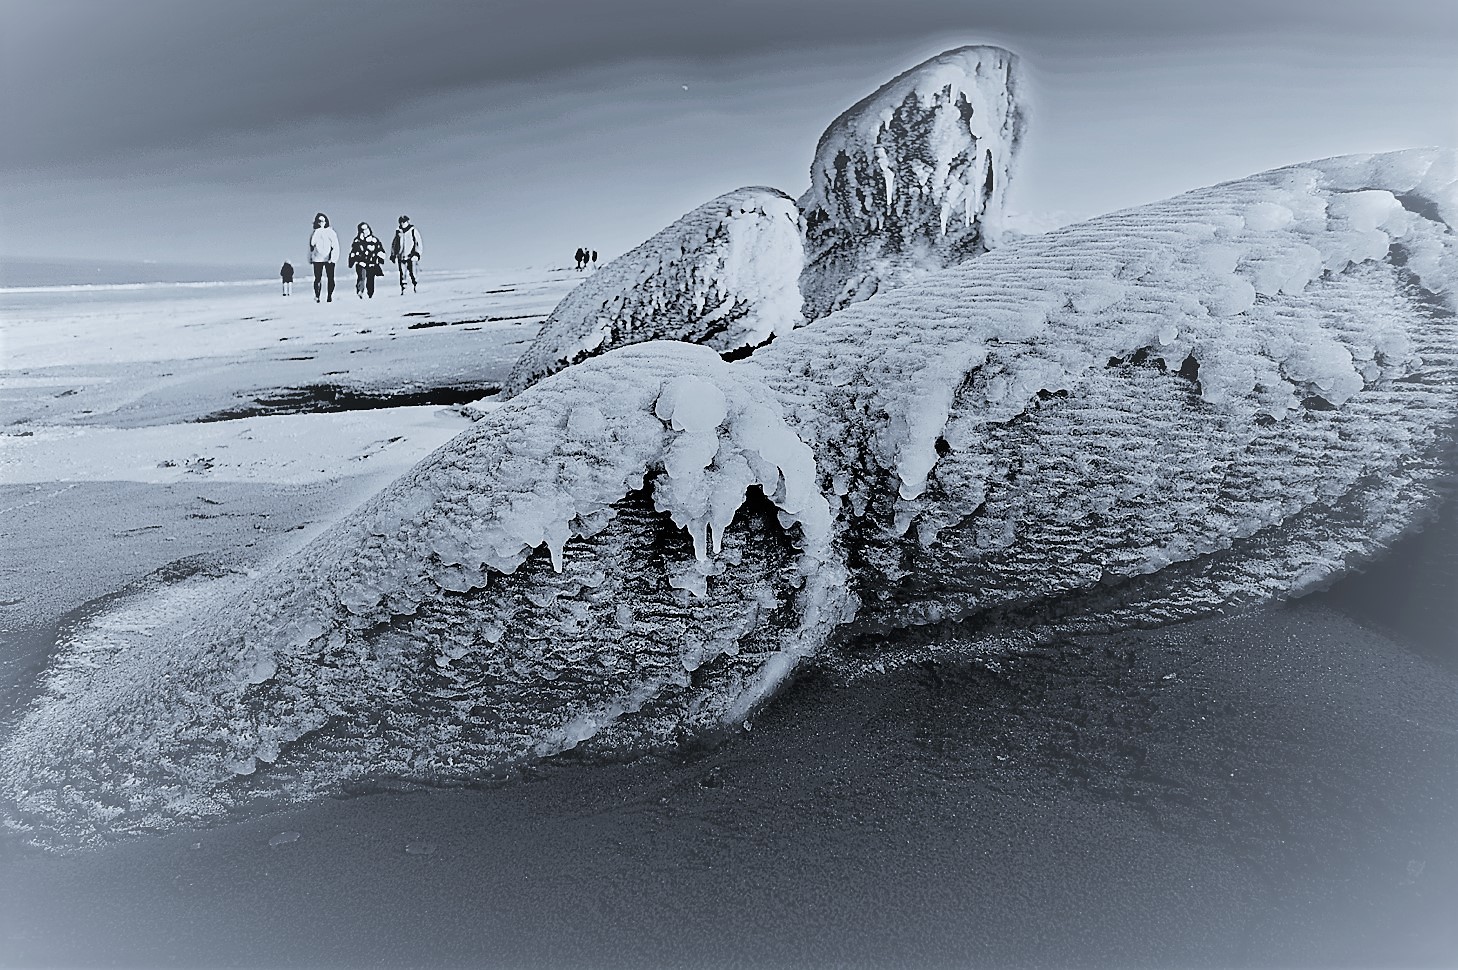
{"x": 1275, "y": 789}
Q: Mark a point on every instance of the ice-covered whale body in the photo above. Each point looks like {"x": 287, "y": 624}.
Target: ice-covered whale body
{"x": 1217, "y": 399}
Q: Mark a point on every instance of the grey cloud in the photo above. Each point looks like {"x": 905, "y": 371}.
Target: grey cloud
{"x": 86, "y": 80}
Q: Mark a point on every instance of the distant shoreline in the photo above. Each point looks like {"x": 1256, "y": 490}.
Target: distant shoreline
{"x": 36, "y": 277}
{"x": 39, "y": 273}
{"x": 155, "y": 284}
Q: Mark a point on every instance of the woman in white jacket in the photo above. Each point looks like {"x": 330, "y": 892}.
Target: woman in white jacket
{"x": 323, "y": 253}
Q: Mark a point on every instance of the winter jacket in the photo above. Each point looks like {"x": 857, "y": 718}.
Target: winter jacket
{"x": 323, "y": 246}
{"x": 406, "y": 244}
{"x": 287, "y": 272}
{"x": 368, "y": 250}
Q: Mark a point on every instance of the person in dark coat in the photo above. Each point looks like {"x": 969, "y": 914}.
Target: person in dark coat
{"x": 405, "y": 251}
{"x": 594, "y": 259}
{"x": 367, "y": 256}
{"x": 286, "y": 273}
{"x": 578, "y": 257}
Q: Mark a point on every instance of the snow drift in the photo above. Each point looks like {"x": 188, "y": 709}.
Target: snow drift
{"x": 913, "y": 177}
{"x": 1215, "y": 400}
{"x": 726, "y": 275}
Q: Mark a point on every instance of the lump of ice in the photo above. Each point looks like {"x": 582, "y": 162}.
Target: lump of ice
{"x": 913, "y": 177}
{"x": 1120, "y": 422}
{"x": 725, "y": 275}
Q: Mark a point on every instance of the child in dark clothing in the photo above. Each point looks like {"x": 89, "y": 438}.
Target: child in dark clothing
{"x": 287, "y": 273}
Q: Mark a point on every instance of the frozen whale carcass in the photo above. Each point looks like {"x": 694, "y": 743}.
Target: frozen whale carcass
{"x": 726, "y": 275}
{"x": 1217, "y": 399}
{"x": 913, "y": 177}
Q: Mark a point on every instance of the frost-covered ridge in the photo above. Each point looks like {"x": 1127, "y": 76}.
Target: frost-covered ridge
{"x": 913, "y": 177}
{"x": 1214, "y": 400}
{"x": 725, "y": 275}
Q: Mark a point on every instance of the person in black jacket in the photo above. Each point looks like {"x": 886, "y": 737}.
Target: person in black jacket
{"x": 286, "y": 273}
{"x": 367, "y": 256}
{"x": 405, "y": 251}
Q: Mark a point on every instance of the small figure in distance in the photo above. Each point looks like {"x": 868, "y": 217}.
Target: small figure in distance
{"x": 286, "y": 273}
{"x": 594, "y": 259}
{"x": 367, "y": 256}
{"x": 323, "y": 253}
{"x": 578, "y": 257}
{"x": 405, "y": 251}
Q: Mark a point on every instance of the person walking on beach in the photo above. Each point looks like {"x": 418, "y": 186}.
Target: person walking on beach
{"x": 579, "y": 255}
{"x": 366, "y": 255}
{"x": 323, "y": 253}
{"x": 405, "y": 251}
{"x": 286, "y": 272}
{"x": 594, "y": 259}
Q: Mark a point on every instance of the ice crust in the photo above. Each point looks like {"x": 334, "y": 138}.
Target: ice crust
{"x": 913, "y": 177}
{"x": 726, "y": 275}
{"x": 1219, "y": 399}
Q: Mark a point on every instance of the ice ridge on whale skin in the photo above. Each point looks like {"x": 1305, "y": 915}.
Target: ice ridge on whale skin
{"x": 725, "y": 275}
{"x": 913, "y": 177}
{"x": 1218, "y": 399}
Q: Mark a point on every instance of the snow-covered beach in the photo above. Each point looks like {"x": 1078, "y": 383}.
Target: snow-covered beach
{"x": 148, "y": 385}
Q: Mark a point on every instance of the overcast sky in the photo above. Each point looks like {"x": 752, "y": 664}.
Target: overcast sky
{"x": 184, "y": 130}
